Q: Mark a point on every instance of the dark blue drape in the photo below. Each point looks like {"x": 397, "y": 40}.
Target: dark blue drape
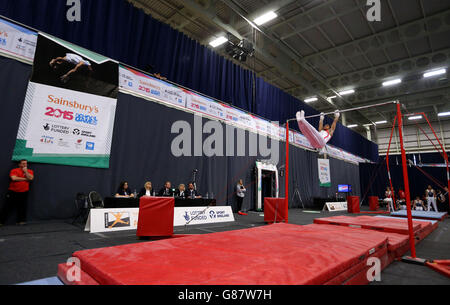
{"x": 374, "y": 177}
{"x": 115, "y": 28}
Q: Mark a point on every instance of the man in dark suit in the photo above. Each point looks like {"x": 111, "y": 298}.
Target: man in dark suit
{"x": 192, "y": 193}
{"x": 166, "y": 191}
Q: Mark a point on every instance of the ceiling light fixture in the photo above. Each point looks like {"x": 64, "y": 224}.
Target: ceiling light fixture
{"x": 265, "y": 18}
{"x": 347, "y": 92}
{"x": 311, "y": 99}
{"x": 434, "y": 73}
{"x": 413, "y": 118}
{"x": 392, "y": 82}
{"x": 218, "y": 42}
{"x": 442, "y": 114}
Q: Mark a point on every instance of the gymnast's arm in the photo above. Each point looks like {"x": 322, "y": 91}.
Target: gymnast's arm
{"x": 322, "y": 117}
{"x": 333, "y": 127}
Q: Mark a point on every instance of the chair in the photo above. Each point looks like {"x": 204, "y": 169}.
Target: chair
{"x": 95, "y": 200}
{"x": 81, "y": 205}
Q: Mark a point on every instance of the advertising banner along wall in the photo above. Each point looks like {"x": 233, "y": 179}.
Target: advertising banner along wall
{"x": 16, "y": 41}
{"x": 69, "y": 111}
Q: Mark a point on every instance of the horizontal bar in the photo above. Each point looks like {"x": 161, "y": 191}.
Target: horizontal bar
{"x": 351, "y": 109}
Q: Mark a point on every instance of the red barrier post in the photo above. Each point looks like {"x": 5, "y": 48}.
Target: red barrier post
{"x": 406, "y": 183}
{"x": 286, "y": 187}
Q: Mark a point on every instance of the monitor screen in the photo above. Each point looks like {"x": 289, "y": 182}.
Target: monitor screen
{"x": 344, "y": 188}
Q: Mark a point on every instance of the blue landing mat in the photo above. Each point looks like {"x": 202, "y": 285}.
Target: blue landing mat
{"x": 421, "y": 214}
{"x": 51, "y": 281}
{"x": 414, "y": 219}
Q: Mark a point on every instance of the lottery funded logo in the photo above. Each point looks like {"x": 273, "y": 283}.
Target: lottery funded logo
{"x": 55, "y": 128}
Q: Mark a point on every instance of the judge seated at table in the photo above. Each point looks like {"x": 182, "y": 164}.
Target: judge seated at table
{"x": 166, "y": 191}
{"x": 181, "y": 193}
{"x": 147, "y": 190}
{"x": 124, "y": 191}
{"x": 192, "y": 193}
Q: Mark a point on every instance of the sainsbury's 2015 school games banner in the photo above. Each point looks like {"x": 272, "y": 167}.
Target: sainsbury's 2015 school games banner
{"x": 70, "y": 106}
{"x": 16, "y": 41}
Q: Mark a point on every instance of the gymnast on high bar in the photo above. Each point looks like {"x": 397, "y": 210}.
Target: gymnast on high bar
{"x": 317, "y": 138}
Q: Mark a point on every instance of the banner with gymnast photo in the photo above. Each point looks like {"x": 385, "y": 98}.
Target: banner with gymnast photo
{"x": 324, "y": 172}
{"x": 70, "y": 105}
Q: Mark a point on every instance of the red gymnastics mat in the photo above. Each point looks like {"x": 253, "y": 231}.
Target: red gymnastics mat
{"x": 394, "y": 225}
{"x": 278, "y": 254}
{"x": 426, "y": 227}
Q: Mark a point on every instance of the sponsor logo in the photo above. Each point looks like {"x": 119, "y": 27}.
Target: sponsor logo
{"x": 78, "y": 143}
{"x": 117, "y": 220}
{"x": 90, "y": 146}
{"x": 63, "y": 143}
{"x": 61, "y": 101}
{"x": 186, "y": 216}
{"x": 47, "y": 140}
{"x": 60, "y": 129}
{"x": 212, "y": 215}
{"x": 222, "y": 214}
{"x": 83, "y": 133}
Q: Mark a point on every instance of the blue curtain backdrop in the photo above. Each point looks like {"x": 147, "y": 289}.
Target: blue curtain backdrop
{"x": 116, "y": 29}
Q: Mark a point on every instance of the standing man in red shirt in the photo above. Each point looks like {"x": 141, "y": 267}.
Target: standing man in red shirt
{"x": 18, "y": 192}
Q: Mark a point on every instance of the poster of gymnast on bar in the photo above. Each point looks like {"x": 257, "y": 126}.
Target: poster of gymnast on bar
{"x": 61, "y": 64}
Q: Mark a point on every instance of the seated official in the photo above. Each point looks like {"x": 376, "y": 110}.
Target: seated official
{"x": 181, "y": 192}
{"x": 124, "y": 191}
{"x": 192, "y": 193}
{"x": 147, "y": 190}
{"x": 167, "y": 190}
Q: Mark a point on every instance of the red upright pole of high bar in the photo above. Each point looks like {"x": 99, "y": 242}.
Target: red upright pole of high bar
{"x": 388, "y": 167}
{"x": 286, "y": 187}
{"x": 406, "y": 182}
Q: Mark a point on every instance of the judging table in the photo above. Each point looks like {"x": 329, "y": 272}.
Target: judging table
{"x": 115, "y": 203}
{"x": 155, "y": 216}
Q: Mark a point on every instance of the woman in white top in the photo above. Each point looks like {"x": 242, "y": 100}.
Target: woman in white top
{"x": 388, "y": 199}
{"x": 147, "y": 190}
